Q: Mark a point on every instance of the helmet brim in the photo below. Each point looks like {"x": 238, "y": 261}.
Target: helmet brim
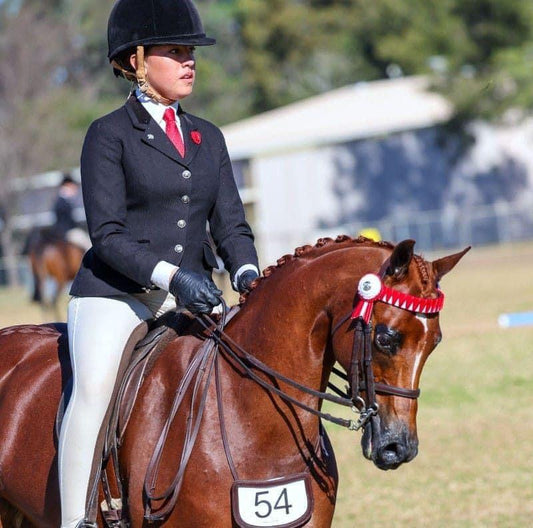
{"x": 189, "y": 40}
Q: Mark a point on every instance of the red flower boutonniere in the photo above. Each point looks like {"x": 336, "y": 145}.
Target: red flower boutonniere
{"x": 196, "y": 137}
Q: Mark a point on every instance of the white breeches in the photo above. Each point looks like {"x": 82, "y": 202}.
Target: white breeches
{"x": 98, "y": 330}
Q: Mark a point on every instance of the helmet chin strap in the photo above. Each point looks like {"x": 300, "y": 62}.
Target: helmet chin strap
{"x": 139, "y": 76}
{"x": 143, "y": 83}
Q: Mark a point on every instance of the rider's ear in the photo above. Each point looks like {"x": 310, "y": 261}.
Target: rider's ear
{"x": 446, "y": 264}
{"x": 400, "y": 259}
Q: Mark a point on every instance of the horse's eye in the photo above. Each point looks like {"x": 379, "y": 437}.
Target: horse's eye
{"x": 383, "y": 341}
{"x": 386, "y": 340}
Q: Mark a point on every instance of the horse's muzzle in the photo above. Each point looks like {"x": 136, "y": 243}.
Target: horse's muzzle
{"x": 388, "y": 446}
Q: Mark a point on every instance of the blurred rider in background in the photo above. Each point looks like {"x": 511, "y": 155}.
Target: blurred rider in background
{"x": 65, "y": 224}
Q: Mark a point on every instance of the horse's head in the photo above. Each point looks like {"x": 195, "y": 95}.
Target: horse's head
{"x": 401, "y": 302}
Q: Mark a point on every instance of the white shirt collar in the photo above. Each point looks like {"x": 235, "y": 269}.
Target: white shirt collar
{"x": 155, "y": 109}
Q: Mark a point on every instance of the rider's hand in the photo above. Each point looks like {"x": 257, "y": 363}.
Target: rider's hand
{"x": 245, "y": 280}
{"x": 194, "y": 291}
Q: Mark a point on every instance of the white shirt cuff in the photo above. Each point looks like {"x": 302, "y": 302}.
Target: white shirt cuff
{"x": 240, "y": 271}
{"x": 162, "y": 274}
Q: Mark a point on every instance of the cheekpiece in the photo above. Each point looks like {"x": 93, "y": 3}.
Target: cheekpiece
{"x": 371, "y": 289}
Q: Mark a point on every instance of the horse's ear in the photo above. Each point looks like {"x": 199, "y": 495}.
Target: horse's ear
{"x": 400, "y": 259}
{"x": 446, "y": 264}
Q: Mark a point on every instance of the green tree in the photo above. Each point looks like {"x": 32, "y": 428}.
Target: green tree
{"x": 493, "y": 74}
{"x": 295, "y": 48}
{"x": 479, "y": 51}
{"x": 45, "y": 103}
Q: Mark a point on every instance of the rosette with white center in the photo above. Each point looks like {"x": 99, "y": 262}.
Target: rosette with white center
{"x": 369, "y": 290}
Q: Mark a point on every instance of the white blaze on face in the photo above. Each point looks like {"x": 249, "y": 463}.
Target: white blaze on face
{"x": 424, "y": 320}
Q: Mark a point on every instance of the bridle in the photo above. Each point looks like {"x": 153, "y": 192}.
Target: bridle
{"x": 360, "y": 378}
{"x": 360, "y": 375}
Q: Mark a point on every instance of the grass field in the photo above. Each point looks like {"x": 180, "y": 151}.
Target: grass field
{"x": 475, "y": 420}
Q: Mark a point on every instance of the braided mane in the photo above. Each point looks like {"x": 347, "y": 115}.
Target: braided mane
{"x": 421, "y": 266}
{"x": 302, "y": 251}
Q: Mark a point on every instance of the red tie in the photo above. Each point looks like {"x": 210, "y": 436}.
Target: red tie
{"x": 172, "y": 131}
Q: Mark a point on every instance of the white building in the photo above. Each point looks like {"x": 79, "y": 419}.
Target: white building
{"x": 373, "y": 155}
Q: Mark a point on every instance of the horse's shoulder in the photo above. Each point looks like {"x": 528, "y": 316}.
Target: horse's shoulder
{"x": 158, "y": 362}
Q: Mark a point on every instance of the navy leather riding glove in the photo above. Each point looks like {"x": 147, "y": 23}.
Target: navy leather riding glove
{"x": 194, "y": 291}
{"x": 245, "y": 280}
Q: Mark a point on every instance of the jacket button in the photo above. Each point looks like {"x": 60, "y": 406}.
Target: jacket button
{"x": 182, "y": 224}
{"x": 185, "y": 199}
{"x": 178, "y": 248}
{"x": 186, "y": 174}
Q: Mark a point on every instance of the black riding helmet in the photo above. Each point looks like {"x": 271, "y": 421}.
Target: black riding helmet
{"x": 152, "y": 22}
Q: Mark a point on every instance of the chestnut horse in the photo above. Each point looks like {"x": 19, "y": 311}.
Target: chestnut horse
{"x": 295, "y": 324}
{"x": 51, "y": 257}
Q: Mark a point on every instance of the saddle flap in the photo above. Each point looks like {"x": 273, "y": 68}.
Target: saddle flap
{"x": 143, "y": 357}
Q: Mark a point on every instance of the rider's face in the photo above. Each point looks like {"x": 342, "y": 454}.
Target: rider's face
{"x": 170, "y": 70}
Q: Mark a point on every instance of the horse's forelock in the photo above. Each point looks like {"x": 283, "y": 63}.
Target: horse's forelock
{"x": 422, "y": 270}
{"x": 427, "y": 279}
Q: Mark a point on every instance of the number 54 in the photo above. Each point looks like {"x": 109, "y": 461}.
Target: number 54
{"x": 281, "y": 503}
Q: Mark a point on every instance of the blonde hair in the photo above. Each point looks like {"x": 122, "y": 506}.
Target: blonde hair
{"x": 138, "y": 75}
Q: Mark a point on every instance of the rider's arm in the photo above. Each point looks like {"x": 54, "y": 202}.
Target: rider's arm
{"x": 231, "y": 233}
{"x": 104, "y": 195}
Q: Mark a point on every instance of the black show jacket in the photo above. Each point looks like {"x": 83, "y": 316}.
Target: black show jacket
{"x": 144, "y": 203}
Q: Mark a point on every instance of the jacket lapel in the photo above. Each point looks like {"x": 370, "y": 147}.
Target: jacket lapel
{"x": 152, "y": 134}
{"x": 187, "y": 126}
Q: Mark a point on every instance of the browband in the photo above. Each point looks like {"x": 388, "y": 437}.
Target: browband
{"x": 371, "y": 289}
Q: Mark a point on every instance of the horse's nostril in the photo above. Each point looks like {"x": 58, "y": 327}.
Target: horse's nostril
{"x": 394, "y": 449}
{"x": 391, "y": 455}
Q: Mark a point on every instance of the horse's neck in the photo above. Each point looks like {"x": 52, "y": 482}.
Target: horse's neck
{"x": 288, "y": 339}
{"x": 286, "y": 321}
{"x": 286, "y": 330}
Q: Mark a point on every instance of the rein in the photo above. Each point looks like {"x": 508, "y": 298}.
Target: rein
{"x": 248, "y": 362}
{"x": 361, "y": 369}
{"x": 201, "y": 367}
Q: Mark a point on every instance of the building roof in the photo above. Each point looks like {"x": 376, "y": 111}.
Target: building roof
{"x": 358, "y": 111}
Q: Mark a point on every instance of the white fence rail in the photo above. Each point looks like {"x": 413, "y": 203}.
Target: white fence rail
{"x": 434, "y": 230}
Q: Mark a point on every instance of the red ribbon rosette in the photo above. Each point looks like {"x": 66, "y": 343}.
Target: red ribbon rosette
{"x": 368, "y": 292}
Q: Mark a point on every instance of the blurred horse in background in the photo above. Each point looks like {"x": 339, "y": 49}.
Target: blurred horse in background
{"x": 53, "y": 259}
